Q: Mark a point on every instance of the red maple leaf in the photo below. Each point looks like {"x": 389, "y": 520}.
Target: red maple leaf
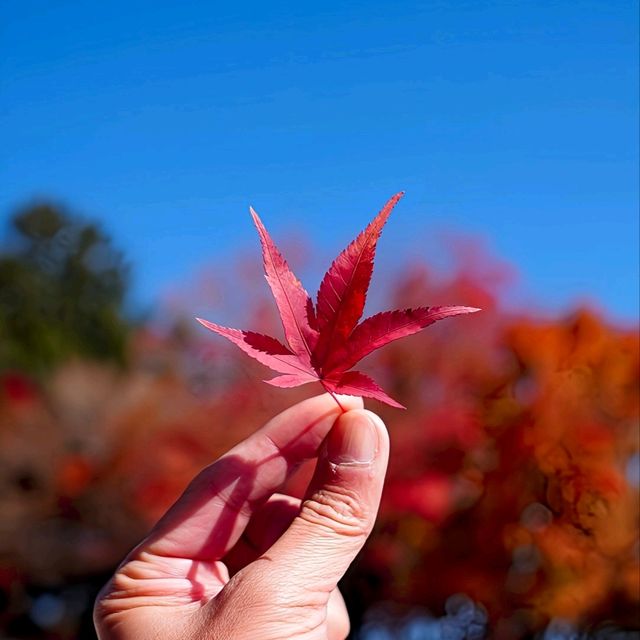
{"x": 325, "y": 341}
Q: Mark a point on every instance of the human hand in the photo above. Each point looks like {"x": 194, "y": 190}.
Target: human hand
{"x": 233, "y": 560}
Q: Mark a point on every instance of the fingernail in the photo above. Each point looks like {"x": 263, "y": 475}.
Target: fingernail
{"x": 352, "y": 440}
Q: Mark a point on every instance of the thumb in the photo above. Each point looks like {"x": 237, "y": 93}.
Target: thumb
{"x": 340, "y": 506}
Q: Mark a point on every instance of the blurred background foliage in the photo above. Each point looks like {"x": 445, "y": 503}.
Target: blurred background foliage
{"x": 511, "y": 507}
{"x": 62, "y": 285}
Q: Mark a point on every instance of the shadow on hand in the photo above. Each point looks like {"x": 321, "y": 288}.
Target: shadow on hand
{"x": 215, "y": 509}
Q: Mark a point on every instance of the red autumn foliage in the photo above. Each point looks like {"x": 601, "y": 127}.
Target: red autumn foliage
{"x": 511, "y": 475}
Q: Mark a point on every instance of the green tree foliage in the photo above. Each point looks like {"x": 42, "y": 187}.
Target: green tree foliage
{"x": 62, "y": 286}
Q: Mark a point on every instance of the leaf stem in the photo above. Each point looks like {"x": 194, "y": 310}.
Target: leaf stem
{"x": 333, "y": 395}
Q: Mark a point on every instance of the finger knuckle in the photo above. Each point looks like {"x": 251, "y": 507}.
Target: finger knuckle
{"x": 338, "y": 509}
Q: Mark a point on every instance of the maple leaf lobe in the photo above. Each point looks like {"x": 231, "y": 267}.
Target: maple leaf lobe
{"x": 292, "y": 300}
{"x": 343, "y": 290}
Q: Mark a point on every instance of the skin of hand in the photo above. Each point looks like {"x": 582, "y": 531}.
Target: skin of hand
{"x": 233, "y": 559}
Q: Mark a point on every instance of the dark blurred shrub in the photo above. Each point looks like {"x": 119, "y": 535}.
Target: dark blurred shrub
{"x": 62, "y": 286}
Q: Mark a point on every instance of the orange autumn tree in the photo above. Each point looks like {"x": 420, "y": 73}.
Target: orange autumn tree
{"x": 513, "y": 480}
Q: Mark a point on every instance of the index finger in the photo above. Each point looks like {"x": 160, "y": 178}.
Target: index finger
{"x": 209, "y": 517}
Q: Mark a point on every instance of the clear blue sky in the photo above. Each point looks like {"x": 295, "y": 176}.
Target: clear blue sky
{"x": 513, "y": 121}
